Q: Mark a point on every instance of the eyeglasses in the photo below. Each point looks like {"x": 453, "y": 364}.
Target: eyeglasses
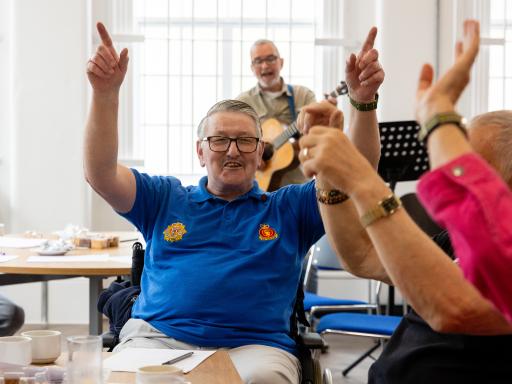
{"x": 269, "y": 60}
{"x": 222, "y": 143}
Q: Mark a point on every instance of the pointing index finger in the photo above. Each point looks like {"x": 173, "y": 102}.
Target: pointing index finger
{"x": 370, "y": 40}
{"x": 105, "y": 37}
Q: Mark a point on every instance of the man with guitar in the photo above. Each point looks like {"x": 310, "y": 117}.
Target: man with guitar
{"x": 276, "y": 103}
{"x": 279, "y": 103}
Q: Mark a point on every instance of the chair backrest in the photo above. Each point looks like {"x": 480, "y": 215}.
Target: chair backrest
{"x": 323, "y": 256}
{"x": 414, "y": 208}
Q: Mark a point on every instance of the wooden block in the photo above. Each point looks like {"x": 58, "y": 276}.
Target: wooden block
{"x": 99, "y": 243}
{"x": 82, "y": 242}
{"x": 113, "y": 241}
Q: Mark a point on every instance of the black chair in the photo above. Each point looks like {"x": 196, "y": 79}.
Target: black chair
{"x": 414, "y": 208}
{"x": 109, "y": 338}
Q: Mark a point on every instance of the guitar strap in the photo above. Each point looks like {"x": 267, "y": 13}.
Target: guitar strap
{"x": 291, "y": 102}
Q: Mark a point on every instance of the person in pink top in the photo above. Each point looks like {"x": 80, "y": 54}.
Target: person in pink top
{"x": 463, "y": 192}
{"x": 466, "y": 307}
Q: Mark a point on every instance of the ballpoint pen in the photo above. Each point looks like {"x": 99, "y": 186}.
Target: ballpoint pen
{"x": 179, "y": 358}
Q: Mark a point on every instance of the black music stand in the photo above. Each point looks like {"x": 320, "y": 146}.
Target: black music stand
{"x": 403, "y": 158}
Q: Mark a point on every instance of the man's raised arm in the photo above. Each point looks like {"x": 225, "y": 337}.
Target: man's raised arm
{"x": 364, "y": 75}
{"x": 114, "y": 182}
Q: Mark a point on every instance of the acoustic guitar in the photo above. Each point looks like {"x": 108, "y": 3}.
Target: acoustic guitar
{"x": 284, "y": 157}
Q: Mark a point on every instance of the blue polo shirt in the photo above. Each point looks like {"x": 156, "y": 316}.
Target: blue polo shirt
{"x": 222, "y": 273}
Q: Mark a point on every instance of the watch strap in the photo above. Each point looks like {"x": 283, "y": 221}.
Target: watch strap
{"x": 365, "y": 107}
{"x": 440, "y": 119}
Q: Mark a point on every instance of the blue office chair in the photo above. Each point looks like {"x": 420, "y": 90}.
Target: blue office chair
{"x": 323, "y": 257}
{"x": 375, "y": 326}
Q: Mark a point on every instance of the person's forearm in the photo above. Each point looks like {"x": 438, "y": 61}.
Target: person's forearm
{"x": 364, "y": 134}
{"x": 351, "y": 242}
{"x": 445, "y": 144}
{"x": 427, "y": 278}
{"x": 101, "y": 139}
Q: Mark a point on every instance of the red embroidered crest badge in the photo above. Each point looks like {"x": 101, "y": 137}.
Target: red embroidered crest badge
{"x": 266, "y": 232}
{"x": 174, "y": 232}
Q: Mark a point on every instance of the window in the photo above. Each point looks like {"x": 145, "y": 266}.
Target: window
{"x": 193, "y": 54}
{"x": 491, "y": 84}
{"x": 500, "y": 55}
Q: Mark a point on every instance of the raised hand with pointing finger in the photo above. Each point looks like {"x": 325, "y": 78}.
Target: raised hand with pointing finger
{"x": 106, "y": 69}
{"x": 363, "y": 73}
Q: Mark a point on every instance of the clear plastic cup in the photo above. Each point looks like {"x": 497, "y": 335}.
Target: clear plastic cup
{"x": 84, "y": 360}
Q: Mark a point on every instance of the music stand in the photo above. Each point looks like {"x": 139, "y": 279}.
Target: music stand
{"x": 403, "y": 158}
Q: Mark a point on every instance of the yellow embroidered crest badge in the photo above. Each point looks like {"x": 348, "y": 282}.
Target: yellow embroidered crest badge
{"x": 266, "y": 232}
{"x": 174, "y": 232}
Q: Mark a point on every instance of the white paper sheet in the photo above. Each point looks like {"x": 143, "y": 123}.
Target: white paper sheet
{"x": 20, "y": 242}
{"x": 131, "y": 359}
{"x": 68, "y": 259}
{"x": 4, "y": 258}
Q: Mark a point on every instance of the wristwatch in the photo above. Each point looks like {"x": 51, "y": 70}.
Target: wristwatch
{"x": 384, "y": 208}
{"x": 438, "y": 120}
{"x": 332, "y": 196}
{"x": 364, "y": 107}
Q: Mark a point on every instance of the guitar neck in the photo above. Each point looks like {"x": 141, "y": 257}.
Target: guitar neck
{"x": 287, "y": 134}
{"x": 293, "y": 131}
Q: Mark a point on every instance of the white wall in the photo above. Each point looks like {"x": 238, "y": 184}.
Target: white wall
{"x": 43, "y": 165}
{"x": 5, "y": 110}
{"x": 49, "y": 42}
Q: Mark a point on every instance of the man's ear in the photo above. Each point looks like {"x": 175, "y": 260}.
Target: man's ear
{"x": 281, "y": 60}
{"x": 200, "y": 153}
{"x": 261, "y": 149}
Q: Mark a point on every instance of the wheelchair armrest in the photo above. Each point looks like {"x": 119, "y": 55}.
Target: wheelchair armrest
{"x": 311, "y": 340}
{"x": 109, "y": 340}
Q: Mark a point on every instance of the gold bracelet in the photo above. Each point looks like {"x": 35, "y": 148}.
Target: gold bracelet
{"x": 330, "y": 196}
{"x": 384, "y": 208}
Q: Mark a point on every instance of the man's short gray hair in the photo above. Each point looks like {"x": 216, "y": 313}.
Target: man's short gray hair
{"x": 263, "y": 42}
{"x": 501, "y": 144}
{"x": 230, "y": 106}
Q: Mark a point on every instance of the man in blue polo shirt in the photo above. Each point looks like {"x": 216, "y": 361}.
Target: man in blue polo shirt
{"x": 223, "y": 259}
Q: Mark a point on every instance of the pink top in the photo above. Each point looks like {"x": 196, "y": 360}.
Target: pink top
{"x": 469, "y": 199}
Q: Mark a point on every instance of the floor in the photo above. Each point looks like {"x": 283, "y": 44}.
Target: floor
{"x": 342, "y": 351}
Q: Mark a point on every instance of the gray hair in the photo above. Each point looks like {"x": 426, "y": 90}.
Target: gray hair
{"x": 500, "y": 144}
{"x": 263, "y": 42}
{"x": 230, "y": 106}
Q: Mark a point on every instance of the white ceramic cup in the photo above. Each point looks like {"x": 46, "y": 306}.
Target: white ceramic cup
{"x": 46, "y": 345}
{"x": 159, "y": 374}
{"x": 16, "y": 350}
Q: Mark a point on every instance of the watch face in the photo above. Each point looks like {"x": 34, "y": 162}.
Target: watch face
{"x": 390, "y": 204}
